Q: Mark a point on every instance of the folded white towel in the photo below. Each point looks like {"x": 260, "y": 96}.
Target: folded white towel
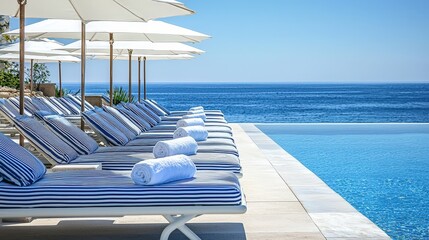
{"x": 190, "y": 122}
{"x": 196, "y": 108}
{"x": 163, "y": 170}
{"x": 199, "y": 133}
{"x": 186, "y": 145}
{"x": 199, "y": 115}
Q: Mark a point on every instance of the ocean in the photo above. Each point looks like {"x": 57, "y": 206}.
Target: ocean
{"x": 292, "y": 103}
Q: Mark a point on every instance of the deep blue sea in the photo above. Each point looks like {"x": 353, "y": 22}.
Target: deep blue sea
{"x": 294, "y": 102}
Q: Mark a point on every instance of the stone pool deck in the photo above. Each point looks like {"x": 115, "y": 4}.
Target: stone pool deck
{"x": 285, "y": 201}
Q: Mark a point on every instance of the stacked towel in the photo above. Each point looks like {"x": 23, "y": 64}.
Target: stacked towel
{"x": 195, "y": 112}
{"x": 185, "y": 145}
{"x": 163, "y": 170}
{"x": 190, "y": 122}
{"x": 196, "y": 115}
{"x": 197, "y": 108}
{"x": 199, "y": 133}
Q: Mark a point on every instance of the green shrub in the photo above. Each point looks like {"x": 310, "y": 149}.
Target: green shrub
{"x": 120, "y": 95}
{"x": 9, "y": 76}
{"x": 65, "y": 92}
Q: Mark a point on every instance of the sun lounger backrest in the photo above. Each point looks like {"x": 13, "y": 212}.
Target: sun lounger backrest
{"x": 124, "y": 120}
{"x": 154, "y": 108}
{"x": 59, "y": 105}
{"x": 78, "y": 102}
{"x": 39, "y": 105}
{"x": 69, "y": 105}
{"x": 160, "y": 106}
{"x": 142, "y": 114}
{"x": 28, "y": 107}
{"x": 149, "y": 112}
{"x": 71, "y": 134}
{"x": 140, "y": 122}
{"x": 17, "y": 165}
{"x": 115, "y": 123}
{"x": 105, "y": 128}
{"x": 44, "y": 140}
{"x": 51, "y": 106}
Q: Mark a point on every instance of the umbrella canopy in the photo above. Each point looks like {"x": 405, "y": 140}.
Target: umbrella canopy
{"x": 43, "y": 47}
{"x": 97, "y": 10}
{"x": 39, "y": 58}
{"x": 138, "y": 47}
{"x": 148, "y": 57}
{"x": 132, "y": 47}
{"x": 154, "y": 31}
{"x": 85, "y": 11}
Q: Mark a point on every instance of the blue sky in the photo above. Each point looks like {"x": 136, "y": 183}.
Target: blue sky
{"x": 291, "y": 41}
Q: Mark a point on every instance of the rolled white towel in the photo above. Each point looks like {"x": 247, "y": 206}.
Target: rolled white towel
{"x": 163, "y": 170}
{"x": 196, "y": 108}
{"x": 199, "y": 115}
{"x": 186, "y": 145}
{"x": 190, "y": 122}
{"x": 199, "y": 133}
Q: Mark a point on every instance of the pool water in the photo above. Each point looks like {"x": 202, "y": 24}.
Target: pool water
{"x": 381, "y": 169}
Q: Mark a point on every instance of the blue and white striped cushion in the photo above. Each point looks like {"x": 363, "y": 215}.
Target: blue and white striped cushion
{"x": 45, "y": 140}
{"x": 70, "y": 134}
{"x": 17, "y": 165}
{"x": 149, "y": 122}
{"x": 160, "y": 106}
{"x": 124, "y": 120}
{"x": 150, "y": 112}
{"x": 115, "y": 123}
{"x": 155, "y": 108}
{"x": 105, "y": 128}
{"x": 76, "y": 100}
{"x": 69, "y": 105}
{"x": 116, "y": 189}
{"x": 140, "y": 122}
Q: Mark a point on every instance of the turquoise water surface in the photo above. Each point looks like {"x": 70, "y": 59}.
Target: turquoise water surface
{"x": 381, "y": 169}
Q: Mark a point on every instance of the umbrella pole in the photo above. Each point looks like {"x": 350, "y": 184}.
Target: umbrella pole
{"x": 82, "y": 71}
{"x": 144, "y": 78}
{"x": 111, "y": 41}
{"x": 31, "y": 76}
{"x": 22, "y": 4}
{"x": 60, "y": 79}
{"x": 140, "y": 80}
{"x": 130, "y": 53}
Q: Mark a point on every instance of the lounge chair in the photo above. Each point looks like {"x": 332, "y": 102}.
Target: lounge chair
{"x": 68, "y": 144}
{"x": 117, "y": 133}
{"x": 26, "y": 191}
{"x": 154, "y": 105}
{"x": 157, "y": 124}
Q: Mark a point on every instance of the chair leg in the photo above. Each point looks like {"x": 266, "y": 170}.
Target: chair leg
{"x": 178, "y": 223}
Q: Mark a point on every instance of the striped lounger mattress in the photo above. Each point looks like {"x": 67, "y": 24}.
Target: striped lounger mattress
{"x": 126, "y": 160}
{"x": 79, "y": 189}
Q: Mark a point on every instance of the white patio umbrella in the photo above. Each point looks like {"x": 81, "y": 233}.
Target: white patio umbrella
{"x": 45, "y": 47}
{"x": 132, "y": 47}
{"x": 41, "y": 50}
{"x": 153, "y": 31}
{"x": 145, "y": 58}
{"x": 42, "y": 59}
{"x": 86, "y": 11}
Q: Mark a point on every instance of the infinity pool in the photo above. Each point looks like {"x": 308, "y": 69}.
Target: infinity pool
{"x": 381, "y": 169}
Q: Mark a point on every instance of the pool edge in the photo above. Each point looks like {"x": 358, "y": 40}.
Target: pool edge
{"x": 333, "y": 215}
